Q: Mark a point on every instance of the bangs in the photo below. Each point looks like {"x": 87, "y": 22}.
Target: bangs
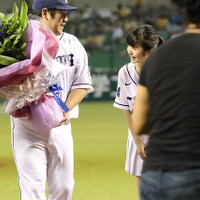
{"x": 132, "y": 40}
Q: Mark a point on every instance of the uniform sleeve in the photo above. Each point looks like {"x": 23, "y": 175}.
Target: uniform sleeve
{"x": 82, "y": 78}
{"x": 121, "y": 101}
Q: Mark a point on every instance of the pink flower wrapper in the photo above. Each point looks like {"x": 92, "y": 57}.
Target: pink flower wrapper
{"x": 37, "y": 40}
{"x": 44, "y": 113}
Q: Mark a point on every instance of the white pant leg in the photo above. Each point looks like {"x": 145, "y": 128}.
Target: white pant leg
{"x": 31, "y": 160}
{"x": 60, "y": 178}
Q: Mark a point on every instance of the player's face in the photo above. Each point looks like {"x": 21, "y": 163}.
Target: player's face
{"x": 57, "y": 23}
{"x": 137, "y": 54}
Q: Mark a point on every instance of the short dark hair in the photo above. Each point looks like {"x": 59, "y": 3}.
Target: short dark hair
{"x": 39, "y": 12}
{"x": 192, "y": 8}
{"x": 146, "y": 36}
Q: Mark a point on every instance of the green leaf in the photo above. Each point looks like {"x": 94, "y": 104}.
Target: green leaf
{"x": 9, "y": 17}
{"x": 23, "y": 45}
{"x": 16, "y": 12}
{"x": 1, "y": 49}
{"x": 2, "y": 17}
{"x": 24, "y": 36}
{"x": 18, "y": 31}
{"x": 14, "y": 27}
{"x": 15, "y": 20}
{"x": 6, "y": 60}
{"x": 8, "y": 42}
{"x": 17, "y": 39}
{"x": 23, "y": 19}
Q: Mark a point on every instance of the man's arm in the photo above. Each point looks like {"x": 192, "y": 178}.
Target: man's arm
{"x": 74, "y": 98}
{"x": 141, "y": 111}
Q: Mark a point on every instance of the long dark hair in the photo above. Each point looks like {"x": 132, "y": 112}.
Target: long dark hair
{"x": 146, "y": 36}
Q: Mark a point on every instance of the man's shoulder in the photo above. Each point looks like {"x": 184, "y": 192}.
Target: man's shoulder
{"x": 68, "y": 36}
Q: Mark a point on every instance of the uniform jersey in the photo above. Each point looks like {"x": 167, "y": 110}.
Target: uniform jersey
{"x": 77, "y": 73}
{"x": 38, "y": 153}
{"x": 126, "y": 91}
{"x": 127, "y": 87}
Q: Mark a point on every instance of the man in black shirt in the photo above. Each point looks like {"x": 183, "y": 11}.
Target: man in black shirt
{"x": 168, "y": 99}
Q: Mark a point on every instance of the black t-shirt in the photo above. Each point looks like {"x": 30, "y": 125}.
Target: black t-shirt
{"x": 172, "y": 76}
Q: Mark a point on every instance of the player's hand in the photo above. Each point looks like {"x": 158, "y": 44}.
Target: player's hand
{"x": 65, "y": 118}
{"x": 141, "y": 149}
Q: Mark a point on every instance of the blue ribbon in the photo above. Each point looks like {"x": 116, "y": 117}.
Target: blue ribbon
{"x": 54, "y": 89}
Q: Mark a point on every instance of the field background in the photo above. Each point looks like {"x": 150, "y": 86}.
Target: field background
{"x": 100, "y": 136}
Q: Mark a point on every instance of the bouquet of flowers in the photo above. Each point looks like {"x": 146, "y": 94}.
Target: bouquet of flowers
{"x": 28, "y": 70}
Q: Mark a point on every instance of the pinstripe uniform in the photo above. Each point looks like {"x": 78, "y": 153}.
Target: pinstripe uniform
{"x": 126, "y": 92}
{"x": 42, "y": 157}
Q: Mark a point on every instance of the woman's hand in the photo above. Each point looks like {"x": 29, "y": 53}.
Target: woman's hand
{"x": 141, "y": 148}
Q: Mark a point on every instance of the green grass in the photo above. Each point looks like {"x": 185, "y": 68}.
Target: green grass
{"x": 100, "y": 136}
{"x": 8, "y": 174}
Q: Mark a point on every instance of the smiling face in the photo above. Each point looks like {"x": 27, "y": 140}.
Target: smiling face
{"x": 137, "y": 54}
{"x": 57, "y": 22}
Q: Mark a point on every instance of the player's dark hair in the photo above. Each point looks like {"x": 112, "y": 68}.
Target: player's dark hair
{"x": 39, "y": 12}
{"x": 146, "y": 36}
{"x": 192, "y": 8}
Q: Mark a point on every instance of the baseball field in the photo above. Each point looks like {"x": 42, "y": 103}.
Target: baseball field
{"x": 100, "y": 136}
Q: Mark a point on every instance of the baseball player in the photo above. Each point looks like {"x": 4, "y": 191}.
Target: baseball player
{"x": 141, "y": 43}
{"x": 48, "y": 157}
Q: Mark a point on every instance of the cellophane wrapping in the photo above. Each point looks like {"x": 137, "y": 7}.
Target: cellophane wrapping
{"x": 25, "y": 84}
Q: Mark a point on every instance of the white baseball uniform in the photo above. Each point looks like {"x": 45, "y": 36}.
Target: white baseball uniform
{"x": 126, "y": 91}
{"x": 42, "y": 157}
